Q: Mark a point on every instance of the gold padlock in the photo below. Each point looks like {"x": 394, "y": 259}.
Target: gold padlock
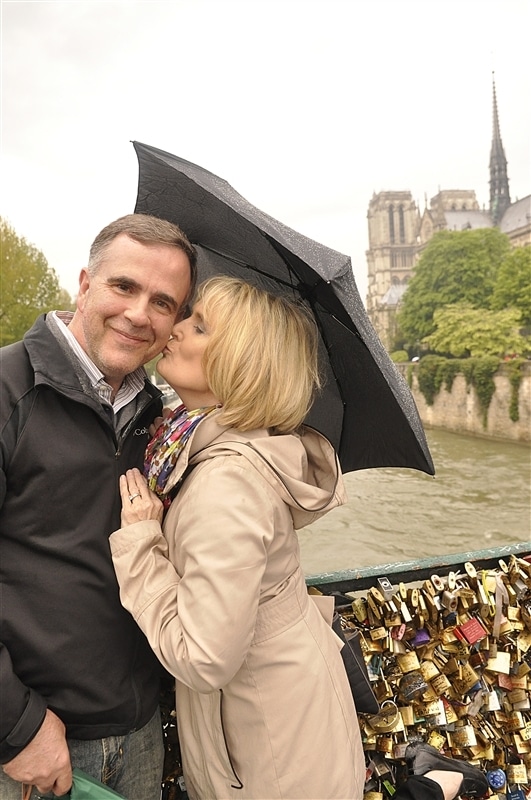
{"x": 516, "y": 773}
{"x": 464, "y": 736}
{"x": 385, "y": 744}
{"x": 465, "y": 679}
{"x": 359, "y": 607}
{"x": 440, "y": 684}
{"x": 437, "y": 740}
{"x": 408, "y": 717}
{"x": 386, "y": 719}
{"x": 429, "y": 670}
{"x": 383, "y": 691}
{"x": 408, "y": 661}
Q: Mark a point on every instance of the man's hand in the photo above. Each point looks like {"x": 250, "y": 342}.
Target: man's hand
{"x": 45, "y": 761}
{"x": 157, "y": 422}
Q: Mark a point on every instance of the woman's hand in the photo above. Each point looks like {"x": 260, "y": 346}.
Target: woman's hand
{"x": 138, "y": 501}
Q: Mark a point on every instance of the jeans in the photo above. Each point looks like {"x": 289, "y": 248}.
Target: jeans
{"x": 131, "y": 765}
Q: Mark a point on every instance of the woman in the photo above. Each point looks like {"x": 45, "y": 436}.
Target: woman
{"x": 263, "y": 703}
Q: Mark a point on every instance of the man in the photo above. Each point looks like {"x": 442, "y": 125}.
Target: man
{"x": 79, "y": 685}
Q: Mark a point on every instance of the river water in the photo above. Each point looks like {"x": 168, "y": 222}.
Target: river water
{"x": 480, "y": 497}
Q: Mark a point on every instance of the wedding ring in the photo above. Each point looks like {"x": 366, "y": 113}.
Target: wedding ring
{"x": 132, "y": 496}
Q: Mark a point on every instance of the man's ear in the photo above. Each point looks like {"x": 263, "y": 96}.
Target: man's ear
{"x": 84, "y": 283}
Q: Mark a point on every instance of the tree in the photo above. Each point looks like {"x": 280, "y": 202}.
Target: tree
{"x": 513, "y": 284}
{"x": 455, "y": 267}
{"x": 28, "y": 286}
{"x": 461, "y": 330}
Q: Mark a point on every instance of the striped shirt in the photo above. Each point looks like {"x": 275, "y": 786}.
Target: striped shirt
{"x": 132, "y": 384}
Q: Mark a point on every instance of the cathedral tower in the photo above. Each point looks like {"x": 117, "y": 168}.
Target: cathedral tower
{"x": 393, "y": 220}
{"x": 500, "y": 199}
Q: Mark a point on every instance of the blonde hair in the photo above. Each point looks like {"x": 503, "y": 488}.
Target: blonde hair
{"x": 261, "y": 358}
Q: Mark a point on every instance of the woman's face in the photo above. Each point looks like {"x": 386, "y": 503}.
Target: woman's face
{"x": 181, "y": 363}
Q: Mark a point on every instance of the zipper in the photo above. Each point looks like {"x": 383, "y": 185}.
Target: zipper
{"x": 152, "y": 400}
{"x": 239, "y": 784}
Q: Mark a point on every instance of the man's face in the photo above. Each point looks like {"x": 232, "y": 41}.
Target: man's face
{"x": 125, "y": 312}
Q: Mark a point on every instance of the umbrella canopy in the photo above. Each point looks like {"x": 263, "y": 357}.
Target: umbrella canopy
{"x": 365, "y": 407}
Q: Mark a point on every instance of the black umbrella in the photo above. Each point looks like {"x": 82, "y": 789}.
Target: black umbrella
{"x": 365, "y": 407}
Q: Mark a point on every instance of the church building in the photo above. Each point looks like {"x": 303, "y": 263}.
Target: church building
{"x": 398, "y": 232}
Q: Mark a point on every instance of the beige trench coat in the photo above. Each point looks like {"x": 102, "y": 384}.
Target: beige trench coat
{"x": 263, "y": 704}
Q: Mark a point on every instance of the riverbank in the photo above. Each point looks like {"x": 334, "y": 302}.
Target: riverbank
{"x": 459, "y": 410}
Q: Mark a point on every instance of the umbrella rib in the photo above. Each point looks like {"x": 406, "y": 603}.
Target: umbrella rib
{"x": 255, "y": 269}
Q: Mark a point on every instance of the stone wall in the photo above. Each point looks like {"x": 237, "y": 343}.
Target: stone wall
{"x": 459, "y": 410}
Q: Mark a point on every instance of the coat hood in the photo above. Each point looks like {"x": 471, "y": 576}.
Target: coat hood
{"x": 302, "y": 467}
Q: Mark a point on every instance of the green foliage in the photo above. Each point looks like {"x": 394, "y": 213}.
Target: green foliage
{"x": 461, "y": 330}
{"x": 451, "y": 368}
{"x": 455, "y": 267}
{"x": 430, "y": 376}
{"x": 399, "y": 356}
{"x": 514, "y": 369}
{"x": 28, "y": 286}
{"x": 467, "y": 366}
{"x": 435, "y": 371}
{"x": 513, "y": 284}
{"x": 482, "y": 376}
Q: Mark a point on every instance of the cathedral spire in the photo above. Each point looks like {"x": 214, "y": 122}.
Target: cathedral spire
{"x": 500, "y": 199}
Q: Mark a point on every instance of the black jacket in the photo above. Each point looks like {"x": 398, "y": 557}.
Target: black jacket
{"x": 65, "y": 640}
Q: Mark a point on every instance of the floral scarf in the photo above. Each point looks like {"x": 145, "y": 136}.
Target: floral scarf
{"x": 164, "y": 448}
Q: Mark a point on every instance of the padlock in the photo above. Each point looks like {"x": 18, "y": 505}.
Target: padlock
{"x": 516, "y": 773}
{"x": 408, "y": 662}
{"x": 386, "y": 719}
{"x": 359, "y": 607}
{"x": 429, "y": 670}
{"x": 385, "y": 744}
{"x": 437, "y": 740}
{"x": 440, "y": 684}
{"x": 385, "y": 587}
{"x": 493, "y": 701}
{"x": 408, "y": 717}
{"x": 471, "y": 631}
{"x": 516, "y": 696}
{"x": 514, "y": 722}
{"x": 438, "y": 583}
{"x": 449, "y": 711}
{"x": 376, "y": 596}
{"x": 464, "y": 736}
{"x": 405, "y": 612}
{"x": 399, "y": 751}
{"x": 500, "y": 663}
{"x": 383, "y": 691}
{"x": 449, "y": 600}
{"x": 465, "y": 679}
{"x": 412, "y": 685}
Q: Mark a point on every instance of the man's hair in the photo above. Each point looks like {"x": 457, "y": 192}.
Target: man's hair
{"x": 147, "y": 230}
{"x": 261, "y": 360}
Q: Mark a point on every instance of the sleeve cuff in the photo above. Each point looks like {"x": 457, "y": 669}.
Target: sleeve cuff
{"x": 25, "y": 729}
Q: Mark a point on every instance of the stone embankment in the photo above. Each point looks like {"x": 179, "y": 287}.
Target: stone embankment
{"x": 459, "y": 410}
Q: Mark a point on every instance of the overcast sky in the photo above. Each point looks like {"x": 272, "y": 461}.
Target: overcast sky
{"x": 306, "y": 107}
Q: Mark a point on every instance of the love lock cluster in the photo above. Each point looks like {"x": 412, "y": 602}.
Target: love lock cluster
{"x": 450, "y": 661}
